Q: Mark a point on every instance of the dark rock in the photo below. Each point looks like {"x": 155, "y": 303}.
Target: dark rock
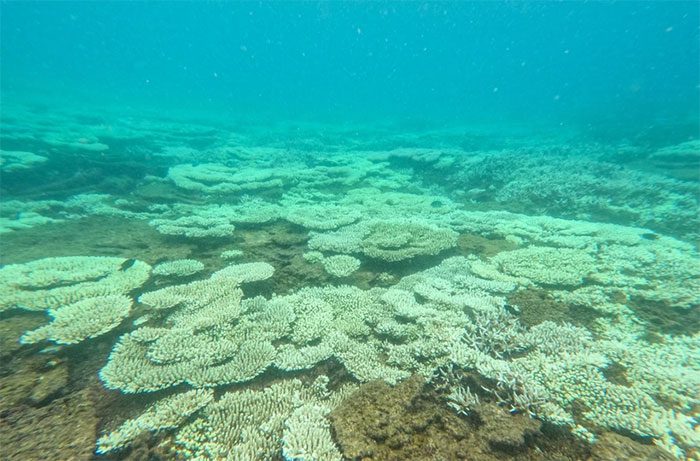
{"x": 15, "y": 389}
{"x": 49, "y": 385}
{"x": 616, "y": 447}
{"x": 411, "y": 422}
{"x": 506, "y": 432}
{"x": 65, "y": 429}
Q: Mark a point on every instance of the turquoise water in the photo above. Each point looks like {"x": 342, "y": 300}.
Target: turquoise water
{"x": 591, "y": 63}
{"x": 334, "y": 230}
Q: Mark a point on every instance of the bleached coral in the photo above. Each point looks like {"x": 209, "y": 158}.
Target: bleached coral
{"x": 307, "y": 435}
{"x": 203, "y": 358}
{"x": 207, "y": 343}
{"x": 321, "y": 216}
{"x": 494, "y": 332}
{"x": 252, "y": 210}
{"x": 216, "y": 290}
{"x": 397, "y": 240}
{"x": 215, "y": 178}
{"x": 334, "y": 321}
{"x": 340, "y": 265}
{"x": 178, "y": 268}
{"x": 87, "y": 318}
{"x": 24, "y": 220}
{"x": 346, "y": 191}
{"x": 462, "y": 400}
{"x": 457, "y": 284}
{"x": 394, "y": 240}
{"x": 546, "y": 266}
{"x": 287, "y": 417}
{"x": 167, "y": 413}
{"x": 455, "y": 312}
{"x": 564, "y": 367}
{"x": 352, "y": 325}
{"x": 617, "y": 258}
{"x": 194, "y": 226}
{"x": 231, "y": 254}
{"x": 246, "y": 272}
{"x": 551, "y": 338}
{"x": 17, "y": 160}
{"x": 580, "y": 183}
{"x": 214, "y": 220}
{"x": 420, "y": 205}
{"x": 669, "y": 369}
{"x": 51, "y": 282}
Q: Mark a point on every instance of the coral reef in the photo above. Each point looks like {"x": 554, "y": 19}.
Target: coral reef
{"x": 392, "y": 241}
{"x": 178, "y": 268}
{"x": 213, "y": 178}
{"x": 168, "y": 413}
{"x": 197, "y": 226}
{"x": 685, "y": 155}
{"x": 492, "y": 297}
{"x": 87, "y": 318}
{"x": 50, "y": 282}
{"x": 287, "y": 417}
{"x": 407, "y": 422}
{"x": 64, "y": 429}
{"x": 340, "y": 265}
{"x": 231, "y": 254}
{"x": 17, "y": 160}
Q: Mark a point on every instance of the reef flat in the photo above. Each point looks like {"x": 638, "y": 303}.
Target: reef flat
{"x": 194, "y": 290}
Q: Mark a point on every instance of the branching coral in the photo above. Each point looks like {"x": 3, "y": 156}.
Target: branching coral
{"x": 168, "y": 413}
{"x": 287, "y": 417}
{"x": 392, "y": 241}
{"x": 87, "y": 318}
{"x": 52, "y": 282}
{"x": 206, "y": 345}
{"x": 178, "y": 268}
{"x": 215, "y": 178}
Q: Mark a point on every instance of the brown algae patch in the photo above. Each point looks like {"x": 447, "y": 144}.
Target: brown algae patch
{"x": 537, "y": 306}
{"x": 481, "y": 246}
{"x": 411, "y": 422}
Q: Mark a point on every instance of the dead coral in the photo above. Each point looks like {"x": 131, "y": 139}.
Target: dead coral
{"x": 411, "y": 422}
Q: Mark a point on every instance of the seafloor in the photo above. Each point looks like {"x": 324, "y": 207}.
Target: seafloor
{"x": 244, "y": 291}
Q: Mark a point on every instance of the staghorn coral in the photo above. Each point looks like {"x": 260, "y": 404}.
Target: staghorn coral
{"x": 564, "y": 369}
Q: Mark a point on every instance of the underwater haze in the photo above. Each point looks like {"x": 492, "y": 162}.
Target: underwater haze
{"x": 349, "y": 230}
{"x": 564, "y": 62}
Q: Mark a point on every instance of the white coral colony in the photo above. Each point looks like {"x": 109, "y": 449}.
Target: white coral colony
{"x": 87, "y": 318}
{"x": 273, "y": 260}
